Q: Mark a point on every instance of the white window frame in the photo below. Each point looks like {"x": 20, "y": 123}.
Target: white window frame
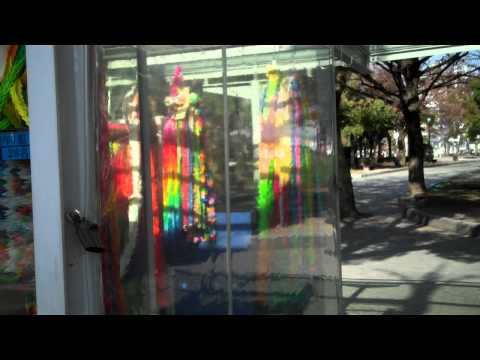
{"x": 68, "y": 279}
{"x": 46, "y": 181}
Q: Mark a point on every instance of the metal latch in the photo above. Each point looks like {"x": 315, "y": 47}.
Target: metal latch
{"x": 86, "y": 231}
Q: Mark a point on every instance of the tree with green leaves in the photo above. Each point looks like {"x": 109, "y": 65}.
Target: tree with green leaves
{"x": 472, "y": 118}
{"x": 367, "y": 121}
{"x": 357, "y": 116}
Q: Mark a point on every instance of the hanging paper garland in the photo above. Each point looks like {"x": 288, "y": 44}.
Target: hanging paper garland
{"x": 285, "y": 162}
{"x": 183, "y": 204}
{"x": 286, "y": 200}
{"x": 188, "y": 205}
{"x": 115, "y": 190}
{"x": 18, "y": 101}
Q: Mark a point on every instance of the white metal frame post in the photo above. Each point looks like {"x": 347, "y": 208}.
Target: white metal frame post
{"x": 77, "y": 144}
{"x": 46, "y": 181}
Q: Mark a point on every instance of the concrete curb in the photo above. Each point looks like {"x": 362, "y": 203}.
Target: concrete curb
{"x": 422, "y": 218}
{"x": 383, "y": 172}
{"x": 465, "y": 228}
{"x": 406, "y": 168}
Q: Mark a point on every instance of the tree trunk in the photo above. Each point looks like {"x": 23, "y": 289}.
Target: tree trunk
{"x": 345, "y": 185}
{"x": 379, "y": 150}
{"x": 355, "y": 154}
{"x": 371, "y": 146}
{"x": 402, "y": 158}
{"x": 410, "y": 105}
{"x": 352, "y": 151}
{"x": 416, "y": 177}
{"x": 344, "y": 177}
{"x": 389, "y": 139}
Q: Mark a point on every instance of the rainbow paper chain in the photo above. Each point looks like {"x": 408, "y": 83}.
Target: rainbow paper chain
{"x": 188, "y": 207}
{"x": 285, "y": 190}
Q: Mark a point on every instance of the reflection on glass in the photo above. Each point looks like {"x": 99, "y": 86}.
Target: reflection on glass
{"x": 190, "y": 135}
{"x": 279, "y": 110}
{"x": 121, "y": 192}
{"x": 187, "y": 188}
{"x": 283, "y": 228}
{"x": 185, "y": 122}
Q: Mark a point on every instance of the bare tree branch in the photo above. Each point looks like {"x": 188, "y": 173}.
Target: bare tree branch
{"x": 383, "y": 66}
{"x": 397, "y": 77}
{"x": 449, "y": 82}
{"x": 374, "y": 84}
{"x": 371, "y": 95}
{"x": 451, "y": 59}
{"x": 448, "y": 64}
{"x": 369, "y": 81}
{"x": 424, "y": 60}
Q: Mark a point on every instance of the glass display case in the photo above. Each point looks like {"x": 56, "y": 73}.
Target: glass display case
{"x": 217, "y": 179}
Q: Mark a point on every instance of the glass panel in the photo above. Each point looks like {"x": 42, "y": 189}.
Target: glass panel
{"x": 174, "y": 267}
{"x": 281, "y": 226}
{"x": 188, "y": 175}
{"x": 124, "y": 272}
{"x": 17, "y": 272}
{"x": 280, "y": 100}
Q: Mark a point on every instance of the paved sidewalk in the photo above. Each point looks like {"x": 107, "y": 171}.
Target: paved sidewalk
{"x": 392, "y": 266}
{"x": 367, "y": 297}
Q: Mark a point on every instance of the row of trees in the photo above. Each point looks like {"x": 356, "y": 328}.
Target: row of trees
{"x": 394, "y": 95}
{"x": 453, "y": 115}
{"x": 365, "y": 125}
{"x": 473, "y": 113}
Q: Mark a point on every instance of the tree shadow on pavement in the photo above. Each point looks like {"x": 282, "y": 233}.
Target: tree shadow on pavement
{"x": 386, "y": 235}
{"x": 421, "y": 294}
{"x": 420, "y": 297}
{"x": 376, "y": 240}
